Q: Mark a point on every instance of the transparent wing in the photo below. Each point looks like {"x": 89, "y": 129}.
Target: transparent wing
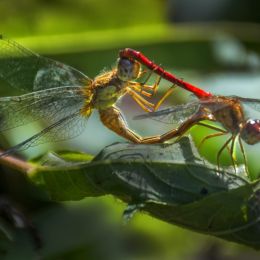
{"x": 173, "y": 115}
{"x": 253, "y": 103}
{"x": 24, "y": 69}
{"x": 67, "y": 127}
{"x": 49, "y": 105}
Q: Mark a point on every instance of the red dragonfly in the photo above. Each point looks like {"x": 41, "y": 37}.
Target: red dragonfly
{"x": 229, "y": 111}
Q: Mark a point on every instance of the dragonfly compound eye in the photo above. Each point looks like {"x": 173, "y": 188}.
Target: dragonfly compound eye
{"x": 251, "y": 131}
{"x": 128, "y": 69}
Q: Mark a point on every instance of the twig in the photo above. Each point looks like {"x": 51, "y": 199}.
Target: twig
{"x": 16, "y": 163}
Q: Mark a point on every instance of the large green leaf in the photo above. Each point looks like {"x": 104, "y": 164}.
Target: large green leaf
{"x": 170, "y": 182}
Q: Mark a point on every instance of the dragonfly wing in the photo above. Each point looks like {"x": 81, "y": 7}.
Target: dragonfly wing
{"x": 64, "y": 129}
{"x": 253, "y": 103}
{"x": 49, "y": 105}
{"x": 173, "y": 115}
{"x": 25, "y": 69}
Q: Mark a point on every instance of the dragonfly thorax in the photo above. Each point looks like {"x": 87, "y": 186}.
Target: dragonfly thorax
{"x": 251, "y": 131}
{"x": 128, "y": 69}
{"x": 226, "y": 111}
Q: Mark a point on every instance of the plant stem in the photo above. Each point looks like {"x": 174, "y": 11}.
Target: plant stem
{"x": 16, "y": 163}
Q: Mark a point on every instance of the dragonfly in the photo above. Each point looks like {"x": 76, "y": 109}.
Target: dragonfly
{"x": 229, "y": 111}
{"x": 65, "y": 97}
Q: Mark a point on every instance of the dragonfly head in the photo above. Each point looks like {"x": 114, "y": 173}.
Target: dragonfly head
{"x": 251, "y": 131}
{"x": 128, "y": 69}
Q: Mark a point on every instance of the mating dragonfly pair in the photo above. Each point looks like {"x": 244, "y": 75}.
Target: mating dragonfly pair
{"x": 65, "y": 98}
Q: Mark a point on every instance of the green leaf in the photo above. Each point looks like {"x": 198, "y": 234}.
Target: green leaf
{"x": 233, "y": 215}
{"x": 170, "y": 182}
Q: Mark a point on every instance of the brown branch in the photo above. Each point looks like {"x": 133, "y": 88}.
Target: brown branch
{"x": 16, "y": 163}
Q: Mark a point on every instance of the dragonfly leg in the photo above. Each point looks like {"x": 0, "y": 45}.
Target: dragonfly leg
{"x": 143, "y": 72}
{"x": 244, "y": 154}
{"x": 154, "y": 87}
{"x": 221, "y": 150}
{"x": 139, "y": 102}
{"x": 113, "y": 119}
{"x": 164, "y": 97}
{"x": 219, "y": 129}
{"x": 210, "y": 136}
{"x": 232, "y": 152}
{"x": 143, "y": 103}
{"x": 138, "y": 87}
{"x": 142, "y": 87}
{"x": 148, "y": 76}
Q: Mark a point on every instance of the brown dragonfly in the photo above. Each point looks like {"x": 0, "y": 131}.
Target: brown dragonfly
{"x": 65, "y": 98}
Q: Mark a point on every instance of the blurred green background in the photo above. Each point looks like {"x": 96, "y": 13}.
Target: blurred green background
{"x": 213, "y": 44}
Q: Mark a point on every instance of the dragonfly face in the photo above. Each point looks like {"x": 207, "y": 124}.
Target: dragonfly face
{"x": 251, "y": 131}
{"x": 128, "y": 69}
{"x": 110, "y": 86}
